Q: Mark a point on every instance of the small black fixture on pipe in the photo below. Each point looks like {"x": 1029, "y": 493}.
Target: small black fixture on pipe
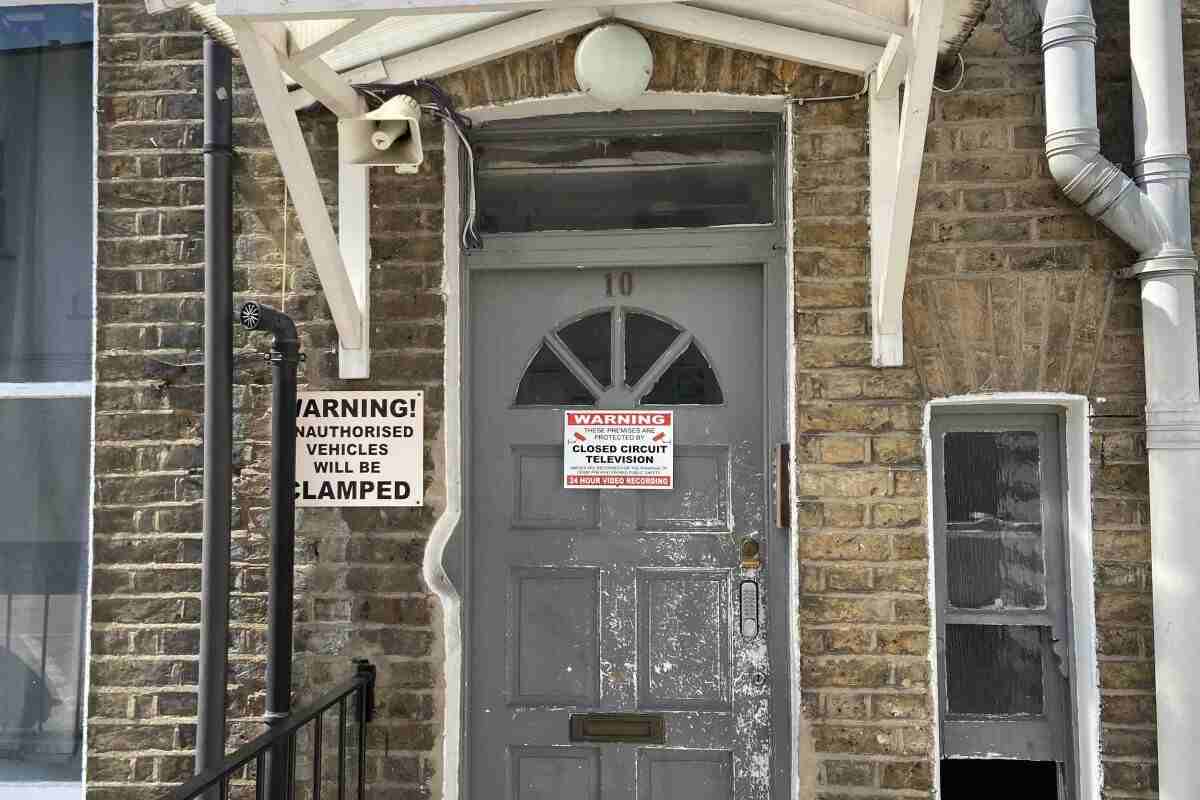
{"x": 285, "y": 359}
{"x": 218, "y": 404}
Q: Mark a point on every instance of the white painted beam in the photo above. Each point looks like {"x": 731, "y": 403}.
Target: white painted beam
{"x": 263, "y": 66}
{"x": 340, "y": 9}
{"x": 354, "y": 240}
{"x": 488, "y": 44}
{"x": 820, "y": 16}
{"x": 778, "y": 41}
{"x": 336, "y": 37}
{"x": 331, "y": 89}
{"x": 892, "y": 67}
{"x": 884, "y": 121}
{"x": 317, "y": 77}
{"x": 372, "y": 72}
{"x": 890, "y": 266}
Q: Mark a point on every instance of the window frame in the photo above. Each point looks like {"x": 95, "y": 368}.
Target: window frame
{"x": 1083, "y": 780}
{"x": 635, "y": 124}
{"x": 71, "y": 390}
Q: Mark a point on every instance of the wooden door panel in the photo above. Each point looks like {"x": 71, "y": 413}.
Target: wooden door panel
{"x": 586, "y": 601}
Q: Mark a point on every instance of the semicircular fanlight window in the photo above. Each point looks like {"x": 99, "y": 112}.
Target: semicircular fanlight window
{"x": 689, "y": 381}
{"x": 548, "y": 382}
{"x": 646, "y": 339}
{"x": 574, "y": 365}
{"x": 590, "y": 340}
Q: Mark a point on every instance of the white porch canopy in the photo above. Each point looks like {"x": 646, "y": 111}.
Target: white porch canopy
{"x": 327, "y": 46}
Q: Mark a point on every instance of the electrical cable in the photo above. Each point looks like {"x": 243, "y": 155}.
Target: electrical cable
{"x": 470, "y": 236}
{"x": 962, "y": 73}
{"x": 800, "y": 101}
{"x": 441, "y": 107}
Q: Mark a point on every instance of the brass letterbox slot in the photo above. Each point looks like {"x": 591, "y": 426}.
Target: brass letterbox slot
{"x": 620, "y": 728}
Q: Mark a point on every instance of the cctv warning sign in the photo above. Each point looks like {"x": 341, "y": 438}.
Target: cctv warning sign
{"x": 359, "y": 449}
{"x": 618, "y": 450}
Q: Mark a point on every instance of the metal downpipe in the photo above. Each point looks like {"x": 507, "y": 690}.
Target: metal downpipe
{"x": 218, "y": 404}
{"x": 1152, "y": 212}
{"x": 1073, "y": 136}
{"x": 285, "y": 359}
{"x": 1163, "y": 169}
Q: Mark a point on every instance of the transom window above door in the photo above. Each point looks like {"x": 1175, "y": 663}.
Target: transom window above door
{"x": 618, "y": 358}
{"x": 626, "y": 175}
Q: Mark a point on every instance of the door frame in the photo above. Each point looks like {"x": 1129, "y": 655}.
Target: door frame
{"x": 448, "y": 555}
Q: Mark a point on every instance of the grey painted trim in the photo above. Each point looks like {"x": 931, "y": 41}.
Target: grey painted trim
{"x": 629, "y": 123}
{"x": 973, "y": 734}
{"x": 778, "y": 348}
{"x": 663, "y": 248}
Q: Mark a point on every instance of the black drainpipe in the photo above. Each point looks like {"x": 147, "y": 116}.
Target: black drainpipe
{"x": 285, "y": 358}
{"x": 218, "y": 403}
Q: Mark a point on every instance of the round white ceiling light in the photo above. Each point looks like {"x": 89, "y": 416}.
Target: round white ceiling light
{"x": 613, "y": 64}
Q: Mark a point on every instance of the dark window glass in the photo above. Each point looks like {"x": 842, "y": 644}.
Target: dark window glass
{"x": 590, "y": 340}
{"x": 547, "y": 381}
{"x": 994, "y": 547}
{"x": 29, "y": 27}
{"x": 992, "y": 478}
{"x": 633, "y": 181}
{"x": 43, "y": 579}
{"x": 45, "y": 208}
{"x": 646, "y": 339}
{"x": 971, "y": 777}
{"x": 995, "y": 570}
{"x": 688, "y": 381}
{"x": 994, "y": 669}
{"x": 46, "y": 280}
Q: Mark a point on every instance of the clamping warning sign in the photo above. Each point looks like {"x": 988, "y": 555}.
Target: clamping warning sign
{"x": 359, "y": 449}
{"x": 618, "y": 449}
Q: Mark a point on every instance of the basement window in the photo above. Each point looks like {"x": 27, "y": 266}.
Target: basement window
{"x": 1002, "y": 605}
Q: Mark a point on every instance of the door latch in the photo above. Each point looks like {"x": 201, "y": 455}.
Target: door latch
{"x": 751, "y": 554}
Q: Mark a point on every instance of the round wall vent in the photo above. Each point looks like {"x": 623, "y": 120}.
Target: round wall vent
{"x": 613, "y": 64}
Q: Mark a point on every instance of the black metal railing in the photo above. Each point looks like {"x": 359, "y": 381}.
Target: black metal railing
{"x": 245, "y": 772}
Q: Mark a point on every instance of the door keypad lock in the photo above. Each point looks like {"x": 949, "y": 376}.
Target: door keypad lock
{"x": 748, "y": 610}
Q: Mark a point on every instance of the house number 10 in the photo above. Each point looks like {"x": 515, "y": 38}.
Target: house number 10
{"x": 618, "y": 281}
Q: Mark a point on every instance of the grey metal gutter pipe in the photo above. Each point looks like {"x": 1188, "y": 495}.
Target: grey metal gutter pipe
{"x": 218, "y": 404}
{"x": 285, "y": 359}
{"x": 1152, "y": 213}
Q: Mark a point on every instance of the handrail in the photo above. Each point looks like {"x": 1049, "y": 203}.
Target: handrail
{"x": 362, "y": 684}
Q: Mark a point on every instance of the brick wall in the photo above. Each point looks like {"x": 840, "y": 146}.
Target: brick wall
{"x": 1010, "y": 288}
{"x": 358, "y": 570}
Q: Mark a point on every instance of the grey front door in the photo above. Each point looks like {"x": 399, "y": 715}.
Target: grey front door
{"x": 637, "y": 602}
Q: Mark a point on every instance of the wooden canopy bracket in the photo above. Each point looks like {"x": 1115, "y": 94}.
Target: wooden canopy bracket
{"x": 897, "y": 134}
{"x": 342, "y": 260}
{"x": 897, "y": 129}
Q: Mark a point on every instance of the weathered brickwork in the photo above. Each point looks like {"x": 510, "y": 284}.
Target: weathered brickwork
{"x": 359, "y": 589}
{"x": 1010, "y": 289}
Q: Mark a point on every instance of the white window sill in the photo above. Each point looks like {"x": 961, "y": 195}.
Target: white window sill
{"x": 41, "y": 791}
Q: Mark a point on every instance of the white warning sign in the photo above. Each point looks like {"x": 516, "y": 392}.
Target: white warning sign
{"x": 618, "y": 450}
{"x": 359, "y": 449}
